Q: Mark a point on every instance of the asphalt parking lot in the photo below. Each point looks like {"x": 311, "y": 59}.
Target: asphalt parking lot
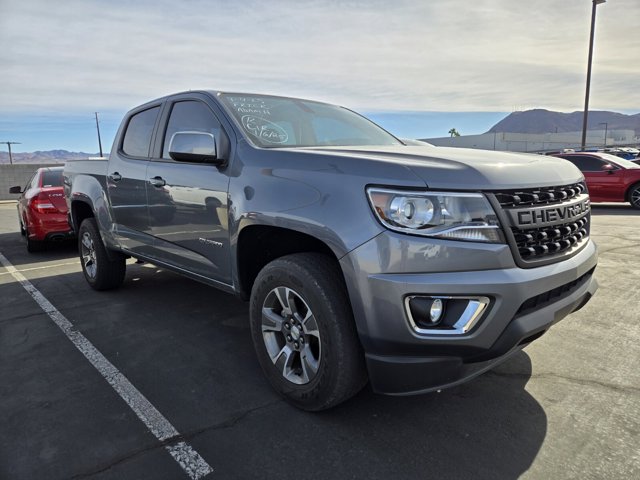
{"x": 568, "y": 406}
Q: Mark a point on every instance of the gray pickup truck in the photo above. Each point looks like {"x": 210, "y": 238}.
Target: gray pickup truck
{"x": 412, "y": 267}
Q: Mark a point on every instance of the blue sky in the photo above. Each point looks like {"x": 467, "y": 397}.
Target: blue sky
{"x": 471, "y": 62}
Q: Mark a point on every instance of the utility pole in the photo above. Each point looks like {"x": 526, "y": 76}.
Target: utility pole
{"x": 98, "y": 128}
{"x": 606, "y": 125}
{"x": 586, "y": 95}
{"x": 8, "y": 144}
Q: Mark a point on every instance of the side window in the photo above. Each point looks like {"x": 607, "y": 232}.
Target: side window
{"x": 585, "y": 163}
{"x": 189, "y": 116}
{"x": 137, "y": 138}
{"x": 573, "y": 160}
{"x": 589, "y": 164}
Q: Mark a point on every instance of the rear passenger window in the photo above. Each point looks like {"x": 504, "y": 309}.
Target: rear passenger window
{"x": 137, "y": 138}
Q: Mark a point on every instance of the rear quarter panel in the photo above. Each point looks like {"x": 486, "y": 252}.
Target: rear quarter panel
{"x": 85, "y": 182}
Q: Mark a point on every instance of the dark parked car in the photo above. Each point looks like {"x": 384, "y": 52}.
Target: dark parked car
{"x": 609, "y": 178}
{"x": 42, "y": 210}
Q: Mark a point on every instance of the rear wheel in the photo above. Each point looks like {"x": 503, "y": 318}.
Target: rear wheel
{"x": 634, "y": 196}
{"x": 304, "y": 333}
{"x": 33, "y": 245}
{"x": 100, "y": 271}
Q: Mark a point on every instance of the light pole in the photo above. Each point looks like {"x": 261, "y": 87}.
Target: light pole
{"x": 606, "y": 125}
{"x": 8, "y": 144}
{"x": 586, "y": 95}
{"x": 98, "y": 128}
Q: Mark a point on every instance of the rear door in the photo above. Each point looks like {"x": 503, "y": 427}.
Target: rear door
{"x": 127, "y": 179}
{"x": 188, "y": 201}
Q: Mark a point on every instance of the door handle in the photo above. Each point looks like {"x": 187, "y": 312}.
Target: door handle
{"x": 115, "y": 176}
{"x": 157, "y": 182}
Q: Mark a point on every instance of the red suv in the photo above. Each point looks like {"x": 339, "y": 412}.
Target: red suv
{"x": 42, "y": 210}
{"x": 609, "y": 178}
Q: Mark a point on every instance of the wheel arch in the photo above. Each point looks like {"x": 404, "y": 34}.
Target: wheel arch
{"x": 258, "y": 245}
{"x": 80, "y": 210}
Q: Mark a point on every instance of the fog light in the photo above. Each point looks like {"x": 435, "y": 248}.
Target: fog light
{"x": 428, "y": 312}
{"x": 444, "y": 315}
{"x": 435, "y": 312}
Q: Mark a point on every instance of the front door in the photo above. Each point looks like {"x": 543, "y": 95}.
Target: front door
{"x": 188, "y": 201}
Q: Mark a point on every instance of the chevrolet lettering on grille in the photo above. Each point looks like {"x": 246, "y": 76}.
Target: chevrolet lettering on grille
{"x": 544, "y": 216}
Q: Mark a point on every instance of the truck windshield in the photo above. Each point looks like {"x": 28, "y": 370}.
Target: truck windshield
{"x": 289, "y": 122}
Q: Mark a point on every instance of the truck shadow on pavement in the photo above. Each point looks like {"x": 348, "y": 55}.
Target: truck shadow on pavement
{"x": 488, "y": 428}
{"x": 14, "y": 247}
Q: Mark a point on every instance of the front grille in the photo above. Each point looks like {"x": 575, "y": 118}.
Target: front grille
{"x": 553, "y": 238}
{"x": 547, "y": 241}
{"x": 540, "y": 196}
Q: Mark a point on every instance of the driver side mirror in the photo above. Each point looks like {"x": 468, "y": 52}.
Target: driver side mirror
{"x": 198, "y": 147}
{"x": 17, "y": 189}
{"x": 607, "y": 167}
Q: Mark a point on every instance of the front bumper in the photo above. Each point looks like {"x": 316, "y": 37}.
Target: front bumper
{"x": 525, "y": 303}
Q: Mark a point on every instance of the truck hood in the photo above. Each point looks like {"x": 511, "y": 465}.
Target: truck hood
{"x": 466, "y": 169}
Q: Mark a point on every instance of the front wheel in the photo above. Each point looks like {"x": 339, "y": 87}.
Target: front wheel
{"x": 100, "y": 271}
{"x": 634, "y": 196}
{"x": 304, "y": 333}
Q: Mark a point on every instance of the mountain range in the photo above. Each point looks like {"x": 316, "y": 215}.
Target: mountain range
{"x": 546, "y": 121}
{"x": 50, "y": 156}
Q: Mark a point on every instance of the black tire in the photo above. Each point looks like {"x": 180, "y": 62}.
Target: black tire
{"x": 100, "y": 271}
{"x": 33, "y": 246}
{"x": 327, "y": 340}
{"x": 23, "y": 232}
{"x": 633, "y": 196}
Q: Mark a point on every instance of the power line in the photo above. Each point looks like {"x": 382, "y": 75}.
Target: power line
{"x": 8, "y": 144}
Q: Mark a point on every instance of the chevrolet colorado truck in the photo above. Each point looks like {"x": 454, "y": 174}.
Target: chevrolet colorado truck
{"x": 412, "y": 267}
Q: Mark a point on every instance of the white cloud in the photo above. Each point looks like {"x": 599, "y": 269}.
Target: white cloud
{"x": 452, "y": 55}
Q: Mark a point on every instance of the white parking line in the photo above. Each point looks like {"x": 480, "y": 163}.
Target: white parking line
{"x": 191, "y": 462}
{"x": 42, "y": 267}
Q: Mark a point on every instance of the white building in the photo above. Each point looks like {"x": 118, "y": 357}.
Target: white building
{"x": 544, "y": 142}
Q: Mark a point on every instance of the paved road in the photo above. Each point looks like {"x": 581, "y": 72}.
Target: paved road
{"x": 568, "y": 406}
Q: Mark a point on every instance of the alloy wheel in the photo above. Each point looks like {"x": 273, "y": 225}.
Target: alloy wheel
{"x": 635, "y": 197}
{"x": 291, "y": 335}
{"x": 89, "y": 255}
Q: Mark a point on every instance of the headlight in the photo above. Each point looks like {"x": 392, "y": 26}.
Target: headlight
{"x": 456, "y": 216}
